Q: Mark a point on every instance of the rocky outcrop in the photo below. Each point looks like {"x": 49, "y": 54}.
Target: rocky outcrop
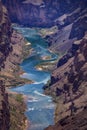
{"x": 42, "y": 13}
{"x": 5, "y": 47}
{"x": 11, "y": 50}
{"x": 10, "y": 57}
{"x": 71, "y": 27}
{"x": 70, "y": 53}
{"x": 69, "y": 89}
{"x": 4, "y": 108}
{"x": 5, "y": 33}
{"x": 78, "y": 122}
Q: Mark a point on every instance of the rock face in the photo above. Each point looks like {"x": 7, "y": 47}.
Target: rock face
{"x": 69, "y": 16}
{"x": 69, "y": 90}
{"x": 42, "y": 13}
{"x": 5, "y": 33}
{"x": 4, "y": 108}
{"x": 71, "y": 26}
{"x": 4, "y": 52}
{"x": 10, "y": 57}
{"x": 11, "y": 49}
{"x": 72, "y": 123}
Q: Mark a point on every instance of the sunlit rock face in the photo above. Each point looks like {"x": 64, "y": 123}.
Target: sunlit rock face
{"x": 69, "y": 88}
{"x": 44, "y": 13}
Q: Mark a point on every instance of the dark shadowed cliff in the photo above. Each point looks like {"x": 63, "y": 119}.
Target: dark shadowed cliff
{"x": 4, "y": 52}
{"x": 4, "y": 108}
{"x": 77, "y": 122}
{"x": 10, "y": 57}
{"x": 44, "y": 13}
{"x": 5, "y": 34}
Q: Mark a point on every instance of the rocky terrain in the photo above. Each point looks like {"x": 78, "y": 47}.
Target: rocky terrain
{"x": 69, "y": 79}
{"x": 68, "y": 86}
{"x": 4, "y": 108}
{"x": 10, "y": 57}
{"x": 44, "y": 13}
{"x": 4, "y": 47}
{"x": 72, "y": 123}
{"x": 71, "y": 27}
{"x": 68, "y": 16}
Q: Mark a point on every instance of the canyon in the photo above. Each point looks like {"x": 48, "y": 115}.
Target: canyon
{"x": 68, "y": 82}
{"x": 43, "y": 13}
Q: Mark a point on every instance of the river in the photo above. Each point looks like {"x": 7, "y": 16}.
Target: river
{"x": 40, "y": 108}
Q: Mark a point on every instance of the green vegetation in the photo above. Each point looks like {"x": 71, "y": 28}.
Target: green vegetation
{"x": 17, "y": 108}
{"x": 19, "y": 98}
{"x": 48, "y": 31}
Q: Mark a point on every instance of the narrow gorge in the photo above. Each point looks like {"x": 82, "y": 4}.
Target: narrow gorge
{"x": 43, "y": 65}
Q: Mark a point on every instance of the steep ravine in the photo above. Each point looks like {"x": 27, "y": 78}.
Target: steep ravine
{"x": 44, "y": 13}
{"x": 69, "y": 79}
{"x": 37, "y": 103}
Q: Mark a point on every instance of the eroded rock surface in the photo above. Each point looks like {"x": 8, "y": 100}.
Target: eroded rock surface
{"x": 70, "y": 90}
{"x": 43, "y": 12}
{"x": 11, "y": 50}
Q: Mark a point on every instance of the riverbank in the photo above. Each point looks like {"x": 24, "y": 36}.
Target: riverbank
{"x": 34, "y": 91}
{"x": 10, "y": 76}
{"x": 11, "y": 71}
{"x": 17, "y": 118}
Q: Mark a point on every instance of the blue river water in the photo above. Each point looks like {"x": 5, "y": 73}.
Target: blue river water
{"x": 40, "y": 108}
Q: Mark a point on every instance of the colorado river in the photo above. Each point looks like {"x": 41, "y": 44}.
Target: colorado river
{"x": 40, "y": 108}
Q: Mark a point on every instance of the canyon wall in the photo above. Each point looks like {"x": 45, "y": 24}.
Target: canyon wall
{"x": 68, "y": 86}
{"x": 4, "y": 108}
{"x": 11, "y": 54}
{"x": 4, "y": 52}
{"x": 67, "y": 15}
{"x": 71, "y": 27}
{"x": 69, "y": 80}
{"x": 43, "y": 13}
{"x": 5, "y": 33}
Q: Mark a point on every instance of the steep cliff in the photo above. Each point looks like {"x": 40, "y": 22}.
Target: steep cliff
{"x": 5, "y": 33}
{"x": 4, "y": 108}
{"x": 4, "y": 52}
{"x": 44, "y": 13}
{"x": 67, "y": 15}
{"x": 68, "y": 87}
{"x": 77, "y": 122}
{"x": 71, "y": 27}
{"x": 10, "y": 57}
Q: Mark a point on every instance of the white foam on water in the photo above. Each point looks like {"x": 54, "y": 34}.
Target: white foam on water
{"x": 32, "y": 100}
{"x": 38, "y": 93}
{"x": 31, "y": 109}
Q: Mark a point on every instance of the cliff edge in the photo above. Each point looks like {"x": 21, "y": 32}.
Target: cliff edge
{"x": 10, "y": 58}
